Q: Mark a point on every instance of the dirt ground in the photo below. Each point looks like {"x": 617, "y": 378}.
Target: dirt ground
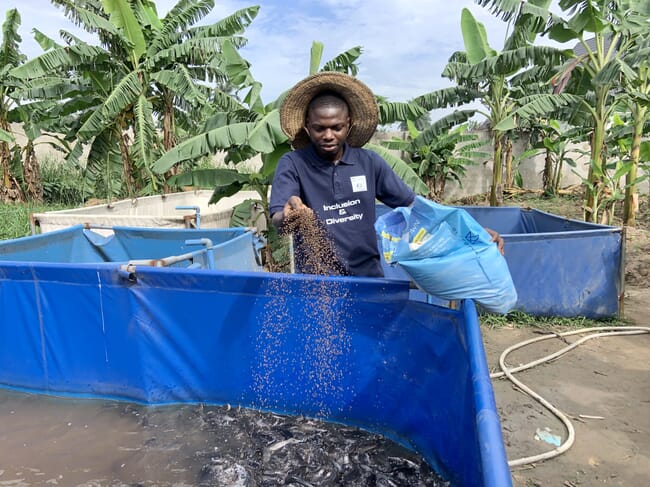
{"x": 603, "y": 386}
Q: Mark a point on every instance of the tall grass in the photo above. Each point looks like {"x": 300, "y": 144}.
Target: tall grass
{"x": 63, "y": 182}
{"x": 63, "y": 187}
{"x": 14, "y": 218}
{"x": 519, "y": 319}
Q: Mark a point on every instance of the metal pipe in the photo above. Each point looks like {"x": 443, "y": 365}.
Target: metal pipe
{"x": 209, "y": 250}
{"x": 197, "y": 212}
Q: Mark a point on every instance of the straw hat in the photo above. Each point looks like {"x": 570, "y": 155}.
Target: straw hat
{"x": 364, "y": 113}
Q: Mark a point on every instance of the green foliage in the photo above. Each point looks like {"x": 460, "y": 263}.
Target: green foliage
{"x": 14, "y": 218}
{"x": 404, "y": 171}
{"x": 10, "y": 54}
{"x": 6, "y": 136}
{"x": 490, "y": 77}
{"x": 10, "y": 57}
{"x": 547, "y": 323}
{"x": 475, "y": 38}
{"x": 62, "y": 183}
{"x": 122, "y": 16}
{"x": 147, "y": 74}
{"x": 612, "y": 45}
{"x": 438, "y": 156}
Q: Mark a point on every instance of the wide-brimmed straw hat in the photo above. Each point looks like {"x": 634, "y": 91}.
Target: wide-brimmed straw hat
{"x": 364, "y": 114}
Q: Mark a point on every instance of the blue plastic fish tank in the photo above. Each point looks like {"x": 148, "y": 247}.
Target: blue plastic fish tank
{"x": 100, "y": 317}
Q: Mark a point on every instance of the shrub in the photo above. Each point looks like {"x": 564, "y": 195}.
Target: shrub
{"x": 62, "y": 183}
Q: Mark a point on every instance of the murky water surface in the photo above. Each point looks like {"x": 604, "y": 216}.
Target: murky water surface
{"x": 70, "y": 442}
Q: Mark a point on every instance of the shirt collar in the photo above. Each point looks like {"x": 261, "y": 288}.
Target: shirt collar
{"x": 347, "y": 158}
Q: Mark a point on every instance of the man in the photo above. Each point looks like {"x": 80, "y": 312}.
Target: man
{"x": 328, "y": 117}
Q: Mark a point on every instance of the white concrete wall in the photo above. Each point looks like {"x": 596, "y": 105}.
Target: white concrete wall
{"x": 477, "y": 180}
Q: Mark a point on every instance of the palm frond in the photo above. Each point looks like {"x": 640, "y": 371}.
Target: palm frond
{"x": 504, "y": 9}
{"x": 532, "y": 76}
{"x": 199, "y": 51}
{"x": 69, "y": 38}
{"x": 212, "y": 178}
{"x": 74, "y": 153}
{"x": 123, "y": 17}
{"x": 9, "y": 49}
{"x": 95, "y": 23}
{"x": 125, "y": 93}
{"x": 401, "y": 168}
{"x": 207, "y": 73}
{"x": 396, "y": 144}
{"x": 206, "y": 143}
{"x": 145, "y": 140}
{"x": 235, "y": 66}
{"x": 267, "y": 133}
{"x": 229, "y": 26}
{"x": 442, "y": 125}
{"x": 390, "y": 111}
{"x": 104, "y": 170}
{"x": 447, "y": 97}
{"x": 613, "y": 71}
{"x": 64, "y": 58}
{"x": 51, "y": 87}
{"x": 226, "y": 102}
{"x": 70, "y": 10}
{"x": 540, "y": 105}
{"x": 315, "y": 56}
{"x": 345, "y": 62}
{"x": 45, "y": 41}
{"x": 455, "y": 71}
{"x": 531, "y": 20}
{"x": 179, "y": 82}
{"x": 147, "y": 15}
{"x": 175, "y": 23}
{"x": 508, "y": 63}
{"x": 6, "y": 136}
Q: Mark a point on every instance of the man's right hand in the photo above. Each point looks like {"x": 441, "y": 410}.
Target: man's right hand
{"x": 292, "y": 208}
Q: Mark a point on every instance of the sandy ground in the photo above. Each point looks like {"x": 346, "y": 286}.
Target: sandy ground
{"x": 603, "y": 386}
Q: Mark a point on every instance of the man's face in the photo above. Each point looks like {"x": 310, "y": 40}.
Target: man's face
{"x": 328, "y": 128}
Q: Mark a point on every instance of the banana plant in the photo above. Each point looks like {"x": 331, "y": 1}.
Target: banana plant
{"x": 636, "y": 102}
{"x": 243, "y": 130}
{"x": 605, "y": 32}
{"x": 148, "y": 73}
{"x": 10, "y": 57}
{"x": 440, "y": 158}
{"x": 553, "y": 139}
{"x": 613, "y": 28}
{"x": 487, "y": 76}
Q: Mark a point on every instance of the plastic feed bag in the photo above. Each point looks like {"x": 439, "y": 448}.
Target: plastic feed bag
{"x": 447, "y": 254}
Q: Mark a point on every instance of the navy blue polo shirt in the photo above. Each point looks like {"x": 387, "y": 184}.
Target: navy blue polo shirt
{"x": 343, "y": 196}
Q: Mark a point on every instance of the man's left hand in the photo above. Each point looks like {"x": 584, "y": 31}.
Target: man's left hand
{"x": 496, "y": 238}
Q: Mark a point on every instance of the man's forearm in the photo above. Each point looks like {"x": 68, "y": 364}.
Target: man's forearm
{"x": 278, "y": 221}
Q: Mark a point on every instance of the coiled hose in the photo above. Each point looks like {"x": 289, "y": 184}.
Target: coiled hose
{"x": 508, "y": 372}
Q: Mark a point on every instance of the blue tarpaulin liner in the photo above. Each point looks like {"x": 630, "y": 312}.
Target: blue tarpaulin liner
{"x": 559, "y": 266}
{"x": 231, "y": 248}
{"x": 412, "y": 371}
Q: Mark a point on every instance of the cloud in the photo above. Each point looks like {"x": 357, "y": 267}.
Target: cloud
{"x": 406, "y": 43}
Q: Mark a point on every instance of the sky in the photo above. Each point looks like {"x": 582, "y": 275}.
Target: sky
{"x": 406, "y": 43}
